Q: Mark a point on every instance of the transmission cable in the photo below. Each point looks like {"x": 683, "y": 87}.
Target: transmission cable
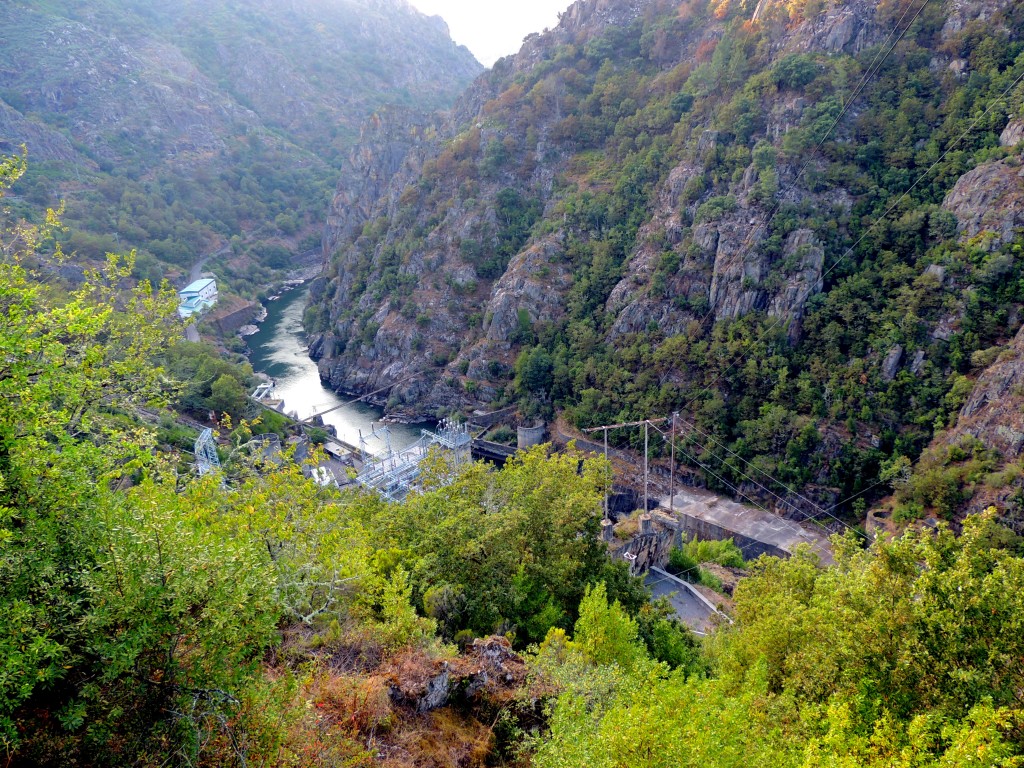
{"x": 791, "y": 524}
{"x": 870, "y": 72}
{"x": 753, "y": 466}
{"x": 878, "y": 220}
{"x": 781, "y": 499}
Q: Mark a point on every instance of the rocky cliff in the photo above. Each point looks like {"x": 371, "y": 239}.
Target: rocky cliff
{"x": 659, "y": 203}
{"x": 232, "y": 113}
{"x": 976, "y": 463}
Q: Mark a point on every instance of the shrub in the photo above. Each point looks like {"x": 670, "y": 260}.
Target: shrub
{"x": 682, "y": 564}
{"x": 723, "y": 552}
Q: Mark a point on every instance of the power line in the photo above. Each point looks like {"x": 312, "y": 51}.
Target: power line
{"x": 872, "y": 70}
{"x": 856, "y": 495}
{"x": 748, "y": 477}
{"x": 753, "y": 466}
{"x": 307, "y": 421}
{"x": 735, "y": 490}
{"x": 776, "y": 480}
{"x": 867, "y": 232}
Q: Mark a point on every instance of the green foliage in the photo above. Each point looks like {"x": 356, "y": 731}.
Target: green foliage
{"x": 124, "y": 606}
{"x": 769, "y": 401}
{"x": 209, "y": 380}
{"x": 399, "y": 625}
{"x": 715, "y": 208}
{"x": 796, "y": 70}
{"x": 667, "y": 640}
{"x": 605, "y": 634}
{"x": 522, "y": 570}
{"x": 686, "y": 562}
{"x": 535, "y": 371}
{"x": 227, "y": 395}
{"x": 681, "y": 563}
{"x": 902, "y": 654}
{"x": 516, "y": 216}
{"x": 724, "y": 552}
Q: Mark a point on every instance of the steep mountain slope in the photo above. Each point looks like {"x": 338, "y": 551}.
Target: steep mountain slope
{"x": 703, "y": 206}
{"x": 174, "y": 126}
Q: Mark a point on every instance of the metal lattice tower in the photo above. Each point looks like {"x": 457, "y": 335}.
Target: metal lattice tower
{"x": 207, "y": 459}
{"x": 393, "y": 474}
{"x": 453, "y": 437}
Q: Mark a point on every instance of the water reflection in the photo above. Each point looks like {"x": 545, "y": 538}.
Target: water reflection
{"x": 279, "y": 351}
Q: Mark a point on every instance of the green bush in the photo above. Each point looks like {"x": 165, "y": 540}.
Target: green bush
{"x": 724, "y": 552}
{"x": 683, "y": 565}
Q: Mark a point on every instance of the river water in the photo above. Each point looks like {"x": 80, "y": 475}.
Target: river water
{"x": 279, "y": 351}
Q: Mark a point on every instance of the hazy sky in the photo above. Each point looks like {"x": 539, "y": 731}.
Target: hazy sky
{"x": 493, "y": 28}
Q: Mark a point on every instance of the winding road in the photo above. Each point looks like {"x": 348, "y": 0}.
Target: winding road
{"x": 194, "y": 273}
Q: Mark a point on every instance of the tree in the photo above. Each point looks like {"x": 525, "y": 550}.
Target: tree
{"x": 129, "y": 622}
{"x": 903, "y": 654}
{"x": 506, "y": 551}
{"x": 535, "y": 370}
{"x": 228, "y": 396}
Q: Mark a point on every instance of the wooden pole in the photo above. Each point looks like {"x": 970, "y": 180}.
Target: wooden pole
{"x": 672, "y": 468}
{"x": 647, "y": 425}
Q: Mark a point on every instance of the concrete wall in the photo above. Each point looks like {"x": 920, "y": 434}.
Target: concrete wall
{"x": 688, "y": 526}
{"x": 234, "y": 318}
{"x": 660, "y": 533}
{"x": 527, "y": 437}
{"x": 492, "y": 418}
{"x": 648, "y": 550}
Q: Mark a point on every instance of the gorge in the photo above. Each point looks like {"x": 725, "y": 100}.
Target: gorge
{"x": 783, "y": 219}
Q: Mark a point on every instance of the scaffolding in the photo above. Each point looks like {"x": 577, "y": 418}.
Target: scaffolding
{"x": 393, "y": 474}
{"x": 207, "y": 459}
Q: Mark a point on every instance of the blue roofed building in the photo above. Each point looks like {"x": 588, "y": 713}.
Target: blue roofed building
{"x": 197, "y": 296}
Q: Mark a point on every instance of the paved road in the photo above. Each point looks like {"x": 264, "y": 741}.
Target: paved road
{"x": 691, "y": 611}
{"x": 196, "y": 271}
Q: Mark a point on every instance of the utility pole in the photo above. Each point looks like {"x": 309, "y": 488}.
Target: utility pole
{"x": 607, "y": 479}
{"x": 672, "y": 468}
{"x": 647, "y": 425}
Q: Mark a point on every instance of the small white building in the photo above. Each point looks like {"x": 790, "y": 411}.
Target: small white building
{"x": 197, "y": 296}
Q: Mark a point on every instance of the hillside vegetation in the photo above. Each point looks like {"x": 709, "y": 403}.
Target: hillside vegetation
{"x": 179, "y": 128}
{"x": 256, "y": 619}
{"x": 796, "y": 223}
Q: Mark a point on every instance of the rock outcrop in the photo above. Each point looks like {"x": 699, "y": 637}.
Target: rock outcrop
{"x": 143, "y": 76}
{"x": 17, "y": 131}
{"x": 235, "y": 112}
{"x": 1013, "y": 133}
{"x": 994, "y": 411}
{"x": 489, "y": 668}
{"x": 413, "y": 288}
{"x": 989, "y": 200}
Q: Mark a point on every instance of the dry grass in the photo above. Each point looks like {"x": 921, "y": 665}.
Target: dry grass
{"x": 628, "y": 527}
{"x": 441, "y": 739}
{"x": 359, "y": 704}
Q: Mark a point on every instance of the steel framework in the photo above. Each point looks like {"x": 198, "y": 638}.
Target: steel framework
{"x": 207, "y": 459}
{"x": 393, "y": 474}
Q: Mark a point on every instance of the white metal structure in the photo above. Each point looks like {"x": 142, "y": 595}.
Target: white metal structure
{"x": 207, "y": 459}
{"x": 393, "y": 474}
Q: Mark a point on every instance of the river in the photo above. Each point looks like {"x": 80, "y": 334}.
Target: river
{"x": 279, "y": 351}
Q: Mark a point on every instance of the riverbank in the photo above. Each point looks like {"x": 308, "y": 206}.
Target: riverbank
{"x": 278, "y": 349}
